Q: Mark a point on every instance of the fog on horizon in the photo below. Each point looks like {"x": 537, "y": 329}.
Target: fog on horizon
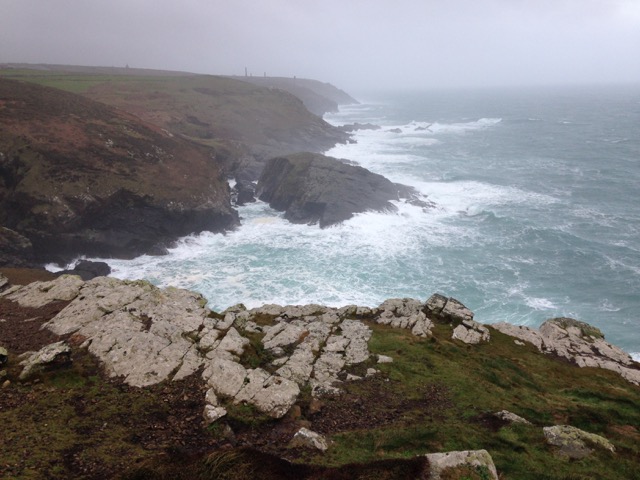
{"x": 356, "y": 45}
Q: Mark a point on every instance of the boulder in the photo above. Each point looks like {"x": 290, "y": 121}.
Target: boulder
{"x": 405, "y": 313}
{"x": 4, "y": 282}
{"x": 446, "y": 309}
{"x": 87, "y": 270}
{"x": 312, "y": 188}
{"x": 471, "y": 332}
{"x": 53, "y": 355}
{"x": 575, "y": 443}
{"x": 578, "y": 342}
{"x": 213, "y": 413}
{"x": 441, "y": 463}
{"x": 509, "y": 417}
{"x": 309, "y": 439}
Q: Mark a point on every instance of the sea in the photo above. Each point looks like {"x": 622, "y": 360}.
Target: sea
{"x": 537, "y": 214}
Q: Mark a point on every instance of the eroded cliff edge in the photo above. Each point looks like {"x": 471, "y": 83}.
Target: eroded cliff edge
{"x": 80, "y": 177}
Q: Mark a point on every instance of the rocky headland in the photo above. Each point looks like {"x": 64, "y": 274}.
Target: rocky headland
{"x": 80, "y": 177}
{"x": 305, "y": 382}
{"x": 316, "y": 189}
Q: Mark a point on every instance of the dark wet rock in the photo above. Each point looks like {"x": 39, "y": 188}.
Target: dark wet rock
{"x": 312, "y": 188}
{"x": 352, "y": 127}
{"x": 87, "y": 270}
{"x": 15, "y": 249}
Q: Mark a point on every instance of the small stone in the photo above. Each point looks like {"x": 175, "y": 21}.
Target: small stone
{"x": 6, "y": 383}
{"x": 309, "y": 439}
{"x": 371, "y": 372}
{"x": 519, "y": 343}
{"x": 511, "y": 417}
{"x": 212, "y": 414}
{"x": 384, "y": 359}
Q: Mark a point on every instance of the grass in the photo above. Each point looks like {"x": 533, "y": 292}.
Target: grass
{"x": 488, "y": 378}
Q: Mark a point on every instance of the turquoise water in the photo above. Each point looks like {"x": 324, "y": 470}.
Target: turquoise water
{"x": 537, "y": 215}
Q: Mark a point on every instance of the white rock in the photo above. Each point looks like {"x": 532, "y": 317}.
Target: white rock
{"x": 213, "y": 413}
{"x": 471, "y": 332}
{"x": 225, "y": 376}
{"x": 39, "y": 294}
{"x": 439, "y": 463}
{"x": 384, "y": 359}
{"x": 309, "y": 439}
{"x": 233, "y": 342}
{"x": 455, "y": 311}
{"x": 36, "y": 361}
{"x": 277, "y": 396}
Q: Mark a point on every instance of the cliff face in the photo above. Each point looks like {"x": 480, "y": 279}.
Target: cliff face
{"x": 79, "y": 177}
{"x": 211, "y": 110}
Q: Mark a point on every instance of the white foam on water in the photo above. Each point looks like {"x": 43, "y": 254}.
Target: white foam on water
{"x": 635, "y": 356}
{"x": 540, "y": 303}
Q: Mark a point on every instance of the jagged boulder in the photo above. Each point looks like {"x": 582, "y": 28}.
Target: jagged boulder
{"x": 53, "y": 355}
{"x": 312, "y": 188}
{"x": 441, "y": 465}
{"x": 575, "y": 443}
{"x": 471, "y": 332}
{"x": 579, "y": 343}
{"x": 405, "y": 313}
{"x": 448, "y": 310}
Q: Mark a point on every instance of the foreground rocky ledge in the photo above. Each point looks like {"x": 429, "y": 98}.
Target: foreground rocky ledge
{"x": 275, "y": 359}
{"x": 147, "y": 335}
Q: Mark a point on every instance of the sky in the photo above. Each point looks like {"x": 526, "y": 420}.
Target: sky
{"x": 354, "y": 44}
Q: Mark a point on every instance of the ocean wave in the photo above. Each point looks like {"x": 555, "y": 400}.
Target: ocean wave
{"x": 635, "y": 356}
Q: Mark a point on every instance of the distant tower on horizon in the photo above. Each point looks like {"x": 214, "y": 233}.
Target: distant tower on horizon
{"x": 245, "y": 72}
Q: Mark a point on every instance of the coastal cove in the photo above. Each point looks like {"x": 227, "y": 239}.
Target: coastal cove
{"x": 535, "y": 215}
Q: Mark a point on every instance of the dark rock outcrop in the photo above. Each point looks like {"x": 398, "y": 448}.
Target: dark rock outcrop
{"x": 87, "y": 270}
{"x": 312, "y": 188}
{"x": 79, "y": 177}
{"x": 15, "y": 249}
{"x": 352, "y": 127}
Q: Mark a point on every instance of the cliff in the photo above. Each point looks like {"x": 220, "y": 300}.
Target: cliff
{"x": 409, "y": 389}
{"x": 246, "y": 124}
{"x": 80, "y": 177}
{"x": 318, "y": 97}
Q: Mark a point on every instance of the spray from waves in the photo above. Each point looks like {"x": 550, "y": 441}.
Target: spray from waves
{"x": 635, "y": 356}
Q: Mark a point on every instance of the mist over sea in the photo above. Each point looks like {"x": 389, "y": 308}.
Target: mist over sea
{"x": 538, "y": 215}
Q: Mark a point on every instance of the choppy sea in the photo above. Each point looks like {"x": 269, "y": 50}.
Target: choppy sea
{"x": 538, "y": 214}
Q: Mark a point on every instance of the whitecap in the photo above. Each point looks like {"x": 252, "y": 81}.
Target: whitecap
{"x": 538, "y": 303}
{"x": 635, "y": 356}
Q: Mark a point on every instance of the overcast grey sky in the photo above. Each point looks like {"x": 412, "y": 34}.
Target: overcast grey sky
{"x": 355, "y": 44}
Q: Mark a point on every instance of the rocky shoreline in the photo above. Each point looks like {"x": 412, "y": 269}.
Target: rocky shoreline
{"x": 267, "y": 357}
